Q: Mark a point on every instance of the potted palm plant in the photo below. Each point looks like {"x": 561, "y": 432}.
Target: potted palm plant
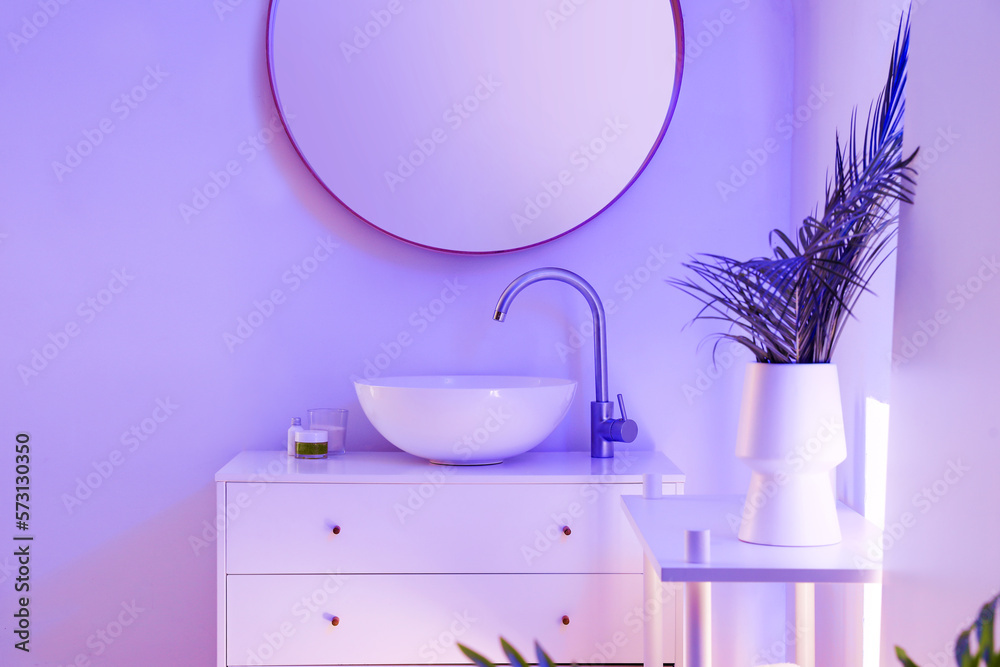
{"x": 790, "y": 309}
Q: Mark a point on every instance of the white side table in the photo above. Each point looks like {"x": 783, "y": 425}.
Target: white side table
{"x": 661, "y": 525}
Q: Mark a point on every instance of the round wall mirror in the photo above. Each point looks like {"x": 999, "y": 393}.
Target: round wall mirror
{"x": 475, "y": 127}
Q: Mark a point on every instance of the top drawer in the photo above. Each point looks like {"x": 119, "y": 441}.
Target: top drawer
{"x": 428, "y": 528}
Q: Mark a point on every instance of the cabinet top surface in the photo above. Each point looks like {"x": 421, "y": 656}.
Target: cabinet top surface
{"x": 401, "y": 468}
{"x": 661, "y": 523}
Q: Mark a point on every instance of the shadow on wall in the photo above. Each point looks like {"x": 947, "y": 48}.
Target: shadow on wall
{"x": 147, "y": 597}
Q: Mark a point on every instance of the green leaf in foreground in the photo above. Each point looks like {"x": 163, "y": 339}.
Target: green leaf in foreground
{"x": 476, "y": 658}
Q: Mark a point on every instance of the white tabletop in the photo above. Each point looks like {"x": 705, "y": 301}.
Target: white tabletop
{"x": 661, "y": 523}
{"x": 401, "y": 468}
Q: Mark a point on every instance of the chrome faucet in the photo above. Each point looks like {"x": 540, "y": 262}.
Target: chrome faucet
{"x": 605, "y": 431}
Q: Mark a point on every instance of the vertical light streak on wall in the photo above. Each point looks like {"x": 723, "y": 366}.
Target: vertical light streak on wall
{"x": 876, "y": 458}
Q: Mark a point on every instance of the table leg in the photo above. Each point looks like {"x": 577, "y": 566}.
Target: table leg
{"x": 652, "y": 606}
{"x": 698, "y": 647}
{"x": 677, "y": 590}
{"x": 805, "y": 624}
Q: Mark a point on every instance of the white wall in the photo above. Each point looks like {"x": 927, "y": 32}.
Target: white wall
{"x": 161, "y": 338}
{"x": 941, "y": 552}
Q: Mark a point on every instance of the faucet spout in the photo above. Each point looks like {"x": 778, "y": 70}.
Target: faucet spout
{"x": 596, "y": 309}
{"x": 604, "y": 429}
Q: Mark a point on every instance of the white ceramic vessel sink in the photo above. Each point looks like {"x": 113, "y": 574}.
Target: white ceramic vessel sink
{"x": 465, "y": 419}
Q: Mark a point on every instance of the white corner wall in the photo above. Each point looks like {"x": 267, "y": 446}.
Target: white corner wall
{"x": 942, "y": 548}
{"x": 842, "y": 53}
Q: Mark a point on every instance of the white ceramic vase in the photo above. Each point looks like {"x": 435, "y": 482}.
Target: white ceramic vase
{"x": 791, "y": 435}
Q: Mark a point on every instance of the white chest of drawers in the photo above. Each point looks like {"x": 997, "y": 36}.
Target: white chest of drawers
{"x": 382, "y": 558}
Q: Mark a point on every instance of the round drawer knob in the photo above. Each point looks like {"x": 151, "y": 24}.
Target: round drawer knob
{"x": 566, "y": 530}
{"x": 335, "y": 620}
{"x": 336, "y": 531}
{"x": 565, "y": 620}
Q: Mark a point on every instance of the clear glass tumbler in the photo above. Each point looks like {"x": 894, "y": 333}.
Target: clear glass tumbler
{"x": 334, "y": 422}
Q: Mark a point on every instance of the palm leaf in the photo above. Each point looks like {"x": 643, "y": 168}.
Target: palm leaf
{"x": 476, "y": 658}
{"x": 903, "y": 658}
{"x": 515, "y": 658}
{"x": 982, "y": 631}
{"x": 791, "y": 307}
{"x": 543, "y": 658}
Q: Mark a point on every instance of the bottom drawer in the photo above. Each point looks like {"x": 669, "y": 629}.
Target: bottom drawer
{"x": 419, "y": 619}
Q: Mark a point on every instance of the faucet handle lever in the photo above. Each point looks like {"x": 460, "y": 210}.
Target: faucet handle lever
{"x": 621, "y": 406}
{"x": 621, "y": 430}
